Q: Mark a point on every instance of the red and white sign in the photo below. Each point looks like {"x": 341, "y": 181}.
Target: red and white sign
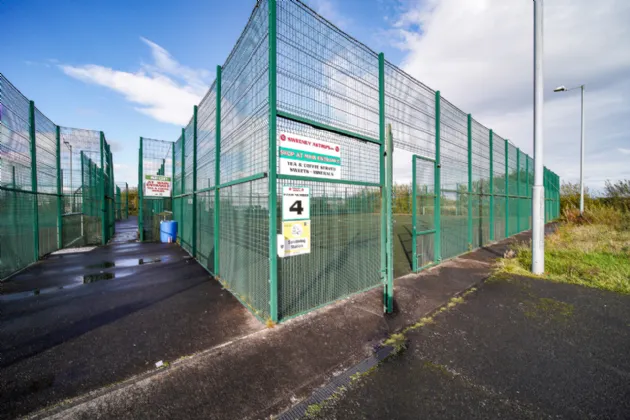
{"x": 157, "y": 186}
{"x": 304, "y": 156}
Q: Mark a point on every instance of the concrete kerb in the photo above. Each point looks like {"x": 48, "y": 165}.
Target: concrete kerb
{"x": 382, "y": 327}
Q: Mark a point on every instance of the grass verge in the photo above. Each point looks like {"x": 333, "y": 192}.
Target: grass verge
{"x": 592, "y": 255}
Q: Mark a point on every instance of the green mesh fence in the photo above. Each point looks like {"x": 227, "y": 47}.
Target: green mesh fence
{"x": 122, "y": 201}
{"x": 294, "y": 78}
{"x": 155, "y": 180}
{"x": 42, "y": 189}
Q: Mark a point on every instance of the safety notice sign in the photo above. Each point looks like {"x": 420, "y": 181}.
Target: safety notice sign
{"x": 157, "y": 186}
{"x": 295, "y": 238}
{"x": 304, "y": 156}
{"x": 296, "y": 203}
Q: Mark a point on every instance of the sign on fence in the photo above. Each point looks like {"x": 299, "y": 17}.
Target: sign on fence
{"x": 303, "y": 156}
{"x": 295, "y": 238}
{"x": 157, "y": 186}
{"x": 296, "y": 203}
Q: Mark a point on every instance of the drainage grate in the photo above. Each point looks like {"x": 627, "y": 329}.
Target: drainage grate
{"x": 321, "y": 394}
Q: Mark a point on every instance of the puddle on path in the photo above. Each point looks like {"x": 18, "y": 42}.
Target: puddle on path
{"x": 93, "y": 278}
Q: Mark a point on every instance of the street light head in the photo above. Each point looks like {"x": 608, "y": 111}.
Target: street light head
{"x": 560, "y": 89}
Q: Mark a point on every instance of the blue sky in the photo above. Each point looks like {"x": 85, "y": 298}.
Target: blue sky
{"x": 134, "y": 68}
{"x": 199, "y": 34}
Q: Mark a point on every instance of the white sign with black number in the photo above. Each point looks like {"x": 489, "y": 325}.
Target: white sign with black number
{"x": 296, "y": 203}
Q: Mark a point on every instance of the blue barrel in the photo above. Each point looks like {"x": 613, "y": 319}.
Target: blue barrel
{"x": 168, "y": 230}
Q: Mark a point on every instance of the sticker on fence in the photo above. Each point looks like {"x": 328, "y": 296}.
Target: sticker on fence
{"x": 295, "y": 238}
{"x": 296, "y": 203}
{"x": 303, "y": 156}
{"x": 157, "y": 186}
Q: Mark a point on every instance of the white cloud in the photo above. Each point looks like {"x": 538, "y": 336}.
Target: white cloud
{"x": 164, "y": 90}
{"x": 478, "y": 53}
{"x": 624, "y": 151}
{"x": 329, "y": 10}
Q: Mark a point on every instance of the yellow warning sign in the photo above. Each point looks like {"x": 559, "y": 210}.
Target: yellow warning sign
{"x": 295, "y": 238}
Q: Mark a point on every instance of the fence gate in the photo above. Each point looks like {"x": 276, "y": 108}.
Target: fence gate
{"x": 423, "y": 212}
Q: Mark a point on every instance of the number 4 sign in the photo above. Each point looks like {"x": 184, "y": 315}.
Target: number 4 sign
{"x": 296, "y": 203}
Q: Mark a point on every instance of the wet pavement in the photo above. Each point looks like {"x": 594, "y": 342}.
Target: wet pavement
{"x": 78, "y": 321}
{"x": 522, "y": 349}
{"x": 270, "y": 370}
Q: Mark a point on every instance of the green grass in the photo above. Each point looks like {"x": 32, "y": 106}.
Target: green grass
{"x": 594, "y": 255}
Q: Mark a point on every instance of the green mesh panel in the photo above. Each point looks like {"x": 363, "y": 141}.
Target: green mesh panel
{"x": 345, "y": 230}
{"x": 244, "y": 242}
{"x": 454, "y": 180}
{"x": 205, "y": 229}
{"x": 498, "y": 163}
{"x": 480, "y": 161}
{"x": 425, "y": 212}
{"x": 157, "y": 159}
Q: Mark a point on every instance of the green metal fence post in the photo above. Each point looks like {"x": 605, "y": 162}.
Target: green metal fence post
{"x": 414, "y": 221}
{"x": 217, "y": 178}
{"x": 59, "y": 196}
{"x": 103, "y": 198}
{"x": 518, "y": 190}
{"x": 383, "y": 181}
{"x": 390, "y": 221}
{"x": 140, "y": 193}
{"x": 14, "y": 205}
{"x": 194, "y": 185}
{"x": 527, "y": 194}
{"x": 273, "y": 191}
{"x": 183, "y": 181}
{"x": 507, "y": 189}
{"x": 126, "y": 200}
{"x": 491, "y": 144}
{"x": 33, "y": 149}
{"x": 470, "y": 188}
{"x": 438, "y": 182}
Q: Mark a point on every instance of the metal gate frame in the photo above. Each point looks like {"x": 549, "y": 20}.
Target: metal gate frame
{"x": 436, "y": 212}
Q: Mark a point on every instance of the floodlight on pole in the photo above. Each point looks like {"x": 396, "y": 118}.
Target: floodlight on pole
{"x": 582, "y": 135}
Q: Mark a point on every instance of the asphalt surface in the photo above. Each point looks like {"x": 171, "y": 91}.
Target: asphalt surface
{"x": 517, "y": 349}
{"x": 268, "y": 371}
{"x": 143, "y": 303}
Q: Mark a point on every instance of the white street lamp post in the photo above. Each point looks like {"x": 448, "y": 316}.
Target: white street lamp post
{"x": 582, "y": 134}
{"x": 538, "y": 191}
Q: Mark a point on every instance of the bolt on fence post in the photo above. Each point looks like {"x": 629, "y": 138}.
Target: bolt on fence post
{"x": 507, "y": 189}
{"x": 438, "y": 182}
{"x": 273, "y": 190}
{"x": 382, "y": 180}
{"x": 470, "y": 188}
{"x": 217, "y": 178}
{"x": 33, "y": 149}
{"x": 140, "y": 193}
{"x": 59, "y": 196}
{"x": 491, "y": 144}
{"x": 194, "y": 185}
